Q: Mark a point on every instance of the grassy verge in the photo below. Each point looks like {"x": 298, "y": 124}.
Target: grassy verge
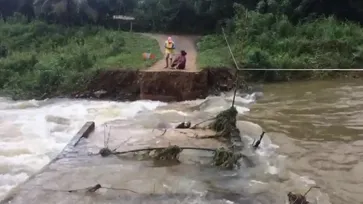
{"x": 37, "y": 58}
{"x": 213, "y": 52}
{"x": 271, "y": 41}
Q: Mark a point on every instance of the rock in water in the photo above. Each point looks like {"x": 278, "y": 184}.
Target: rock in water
{"x": 99, "y": 93}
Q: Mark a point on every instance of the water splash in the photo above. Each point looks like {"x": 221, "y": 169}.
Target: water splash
{"x": 32, "y": 132}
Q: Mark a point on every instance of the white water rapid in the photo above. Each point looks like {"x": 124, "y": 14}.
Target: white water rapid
{"x": 33, "y": 132}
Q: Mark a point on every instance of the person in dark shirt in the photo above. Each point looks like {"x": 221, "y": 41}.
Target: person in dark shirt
{"x": 180, "y": 61}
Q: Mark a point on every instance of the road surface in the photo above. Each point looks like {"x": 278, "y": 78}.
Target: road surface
{"x": 182, "y": 42}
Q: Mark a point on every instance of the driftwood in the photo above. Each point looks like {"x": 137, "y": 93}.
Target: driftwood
{"x": 196, "y": 125}
{"x": 296, "y": 198}
{"x": 183, "y": 125}
{"x": 257, "y": 144}
{"x": 92, "y": 189}
{"x": 104, "y": 152}
{"x": 222, "y": 157}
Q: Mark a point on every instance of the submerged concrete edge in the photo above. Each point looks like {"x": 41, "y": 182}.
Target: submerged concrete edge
{"x": 131, "y": 85}
{"x": 84, "y": 132}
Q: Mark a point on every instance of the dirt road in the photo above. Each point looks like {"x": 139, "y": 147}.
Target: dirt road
{"x": 182, "y": 42}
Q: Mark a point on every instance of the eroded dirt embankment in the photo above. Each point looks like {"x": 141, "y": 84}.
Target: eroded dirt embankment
{"x": 162, "y": 86}
{"x": 158, "y": 83}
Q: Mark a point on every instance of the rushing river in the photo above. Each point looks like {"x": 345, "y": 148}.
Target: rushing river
{"x": 314, "y": 135}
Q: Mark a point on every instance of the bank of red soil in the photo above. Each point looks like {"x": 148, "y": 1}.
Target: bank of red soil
{"x": 157, "y": 83}
{"x": 130, "y": 85}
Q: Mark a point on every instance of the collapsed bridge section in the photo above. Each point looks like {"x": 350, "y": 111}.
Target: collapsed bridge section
{"x": 167, "y": 86}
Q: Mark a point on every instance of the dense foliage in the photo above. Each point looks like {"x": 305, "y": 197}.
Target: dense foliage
{"x": 271, "y": 40}
{"x": 171, "y": 15}
{"x": 39, "y": 58}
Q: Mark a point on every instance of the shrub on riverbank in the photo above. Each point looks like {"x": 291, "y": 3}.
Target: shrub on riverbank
{"x": 52, "y": 59}
{"x": 272, "y": 41}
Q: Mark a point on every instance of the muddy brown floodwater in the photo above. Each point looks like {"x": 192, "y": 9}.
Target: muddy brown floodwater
{"x": 319, "y": 127}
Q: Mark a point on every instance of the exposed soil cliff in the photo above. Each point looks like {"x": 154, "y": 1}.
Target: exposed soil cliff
{"x": 163, "y": 86}
{"x": 157, "y": 83}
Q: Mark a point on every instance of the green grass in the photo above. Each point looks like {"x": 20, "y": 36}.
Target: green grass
{"x": 52, "y": 59}
{"x": 213, "y": 52}
{"x": 271, "y": 41}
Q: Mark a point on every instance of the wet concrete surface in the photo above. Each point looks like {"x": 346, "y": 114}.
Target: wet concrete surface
{"x": 125, "y": 180}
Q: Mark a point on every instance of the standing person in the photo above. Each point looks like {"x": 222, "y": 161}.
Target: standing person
{"x": 179, "y": 63}
{"x": 169, "y": 51}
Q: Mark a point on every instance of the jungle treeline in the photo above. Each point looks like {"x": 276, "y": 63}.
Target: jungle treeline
{"x": 187, "y": 16}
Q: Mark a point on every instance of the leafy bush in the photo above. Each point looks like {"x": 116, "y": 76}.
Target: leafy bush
{"x": 38, "y": 58}
{"x": 272, "y": 41}
{"x": 213, "y": 52}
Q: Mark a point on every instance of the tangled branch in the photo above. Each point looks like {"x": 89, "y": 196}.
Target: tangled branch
{"x": 183, "y": 125}
{"x": 93, "y": 189}
{"x": 195, "y": 126}
{"x": 106, "y": 151}
{"x": 169, "y": 153}
{"x": 225, "y": 123}
{"x": 226, "y": 159}
{"x": 222, "y": 157}
{"x": 298, "y": 198}
{"x": 257, "y": 144}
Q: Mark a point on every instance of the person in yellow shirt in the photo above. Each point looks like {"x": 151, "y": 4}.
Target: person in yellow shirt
{"x": 169, "y": 51}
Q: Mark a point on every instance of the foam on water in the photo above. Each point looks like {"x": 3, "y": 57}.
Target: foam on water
{"x": 32, "y": 132}
{"x": 274, "y": 170}
{"x": 214, "y": 104}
